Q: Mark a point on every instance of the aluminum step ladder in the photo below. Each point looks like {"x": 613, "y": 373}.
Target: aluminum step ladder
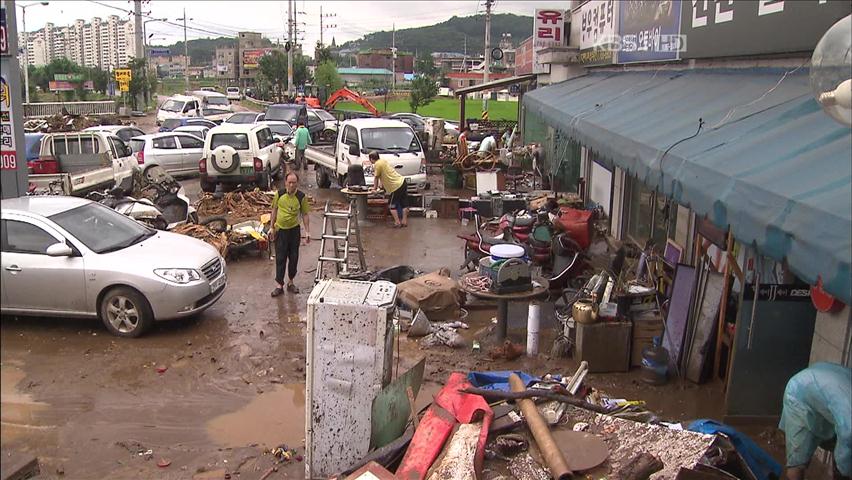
{"x": 344, "y": 242}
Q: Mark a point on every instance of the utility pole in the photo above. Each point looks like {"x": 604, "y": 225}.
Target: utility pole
{"x": 393, "y": 58}
{"x": 185, "y": 51}
{"x": 323, "y": 26}
{"x": 290, "y": 22}
{"x": 488, "y": 4}
{"x": 139, "y": 29}
{"x": 464, "y": 59}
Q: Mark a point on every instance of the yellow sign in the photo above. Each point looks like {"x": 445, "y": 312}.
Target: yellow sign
{"x": 123, "y": 77}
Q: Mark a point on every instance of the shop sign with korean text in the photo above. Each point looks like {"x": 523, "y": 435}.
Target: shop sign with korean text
{"x": 7, "y": 137}
{"x": 548, "y": 31}
{"x": 594, "y": 24}
{"x": 650, "y": 31}
{"x": 725, "y": 28}
{"x": 123, "y": 76}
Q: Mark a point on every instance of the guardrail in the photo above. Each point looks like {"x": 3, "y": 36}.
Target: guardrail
{"x": 48, "y": 109}
{"x": 259, "y": 102}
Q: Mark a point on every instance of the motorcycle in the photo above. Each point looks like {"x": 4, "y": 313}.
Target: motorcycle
{"x": 162, "y": 203}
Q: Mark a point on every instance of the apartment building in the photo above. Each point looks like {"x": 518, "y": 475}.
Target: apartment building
{"x": 106, "y": 44}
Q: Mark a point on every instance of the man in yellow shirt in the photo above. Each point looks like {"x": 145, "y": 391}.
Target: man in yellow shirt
{"x": 395, "y": 185}
{"x": 288, "y": 204}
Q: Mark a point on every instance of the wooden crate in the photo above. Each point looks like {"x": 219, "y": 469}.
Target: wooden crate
{"x": 377, "y": 208}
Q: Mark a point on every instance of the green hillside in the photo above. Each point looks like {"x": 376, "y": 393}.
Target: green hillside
{"x": 449, "y": 36}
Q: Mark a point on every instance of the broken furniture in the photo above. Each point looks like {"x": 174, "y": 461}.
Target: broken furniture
{"x": 349, "y": 360}
{"x": 605, "y": 345}
{"x": 467, "y": 283}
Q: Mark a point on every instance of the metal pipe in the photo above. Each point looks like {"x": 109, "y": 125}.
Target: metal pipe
{"x": 553, "y": 457}
{"x": 533, "y": 320}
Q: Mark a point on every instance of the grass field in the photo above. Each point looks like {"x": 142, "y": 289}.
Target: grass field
{"x": 444, "y": 108}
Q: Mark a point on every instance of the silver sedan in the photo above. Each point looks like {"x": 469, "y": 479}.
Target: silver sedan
{"x": 66, "y": 256}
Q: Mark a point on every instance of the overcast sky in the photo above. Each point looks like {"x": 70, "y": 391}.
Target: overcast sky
{"x": 352, "y": 19}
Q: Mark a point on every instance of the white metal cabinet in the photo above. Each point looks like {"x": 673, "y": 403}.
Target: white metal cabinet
{"x": 349, "y": 357}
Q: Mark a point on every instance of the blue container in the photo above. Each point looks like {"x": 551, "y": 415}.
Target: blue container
{"x": 655, "y": 364}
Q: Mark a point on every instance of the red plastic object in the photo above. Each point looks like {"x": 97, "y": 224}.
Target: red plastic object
{"x": 823, "y": 301}
{"x": 450, "y": 407}
{"x": 578, "y": 224}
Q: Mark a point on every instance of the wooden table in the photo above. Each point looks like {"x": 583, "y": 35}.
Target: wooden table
{"x": 540, "y": 287}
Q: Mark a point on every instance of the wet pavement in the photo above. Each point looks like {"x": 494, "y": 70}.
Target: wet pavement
{"x": 219, "y": 390}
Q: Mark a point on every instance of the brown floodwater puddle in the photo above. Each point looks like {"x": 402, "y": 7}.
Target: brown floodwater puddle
{"x": 272, "y": 418}
{"x": 19, "y": 413}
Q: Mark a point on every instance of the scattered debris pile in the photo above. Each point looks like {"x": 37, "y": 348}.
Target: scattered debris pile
{"x": 65, "y": 122}
{"x": 201, "y": 232}
{"x": 236, "y": 205}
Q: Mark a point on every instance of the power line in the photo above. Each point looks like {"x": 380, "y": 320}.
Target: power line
{"x": 130, "y": 12}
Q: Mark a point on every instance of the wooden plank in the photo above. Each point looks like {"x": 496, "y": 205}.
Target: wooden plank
{"x": 730, "y": 264}
{"x": 18, "y": 466}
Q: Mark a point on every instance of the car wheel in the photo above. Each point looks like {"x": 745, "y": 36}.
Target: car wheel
{"x": 323, "y": 181}
{"x": 125, "y": 312}
{"x": 147, "y": 174}
{"x": 266, "y": 182}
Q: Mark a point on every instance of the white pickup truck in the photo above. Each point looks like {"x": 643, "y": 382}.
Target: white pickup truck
{"x": 78, "y": 162}
{"x": 393, "y": 140}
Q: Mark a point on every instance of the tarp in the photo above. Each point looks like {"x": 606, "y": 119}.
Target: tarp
{"x": 767, "y": 160}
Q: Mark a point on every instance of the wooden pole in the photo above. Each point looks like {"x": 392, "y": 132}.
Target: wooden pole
{"x": 720, "y": 330}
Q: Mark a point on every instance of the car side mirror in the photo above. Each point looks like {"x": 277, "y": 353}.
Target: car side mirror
{"x": 59, "y": 250}
{"x": 354, "y": 150}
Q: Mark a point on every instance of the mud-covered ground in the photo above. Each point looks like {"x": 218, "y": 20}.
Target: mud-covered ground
{"x": 215, "y": 392}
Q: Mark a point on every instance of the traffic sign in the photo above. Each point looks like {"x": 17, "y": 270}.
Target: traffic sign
{"x": 122, "y": 78}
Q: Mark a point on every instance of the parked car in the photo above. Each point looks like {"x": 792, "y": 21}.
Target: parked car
{"x": 282, "y": 131}
{"x": 413, "y": 120}
{"x": 233, "y": 93}
{"x": 208, "y": 89}
{"x": 173, "y": 123}
{"x": 75, "y": 163}
{"x": 32, "y": 142}
{"x": 176, "y": 152}
{"x": 245, "y": 117}
{"x": 322, "y": 125}
{"x": 179, "y": 106}
{"x": 213, "y": 100}
{"x": 72, "y": 257}
{"x": 287, "y": 112}
{"x": 124, "y": 132}
{"x": 240, "y": 154}
{"x": 199, "y": 131}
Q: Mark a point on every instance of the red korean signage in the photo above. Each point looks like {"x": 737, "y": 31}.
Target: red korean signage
{"x": 524, "y": 57}
{"x": 548, "y": 31}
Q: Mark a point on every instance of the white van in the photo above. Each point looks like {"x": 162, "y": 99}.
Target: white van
{"x": 233, "y": 93}
{"x": 179, "y": 106}
{"x": 213, "y": 100}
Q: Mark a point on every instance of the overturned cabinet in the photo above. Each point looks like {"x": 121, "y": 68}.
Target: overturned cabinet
{"x": 349, "y": 357}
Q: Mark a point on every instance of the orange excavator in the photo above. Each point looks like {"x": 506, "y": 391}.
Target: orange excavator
{"x": 346, "y": 94}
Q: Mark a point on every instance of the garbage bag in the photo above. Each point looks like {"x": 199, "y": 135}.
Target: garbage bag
{"x": 818, "y": 408}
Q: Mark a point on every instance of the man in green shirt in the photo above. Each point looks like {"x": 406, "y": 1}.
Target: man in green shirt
{"x": 395, "y": 185}
{"x": 302, "y": 139}
{"x": 288, "y": 204}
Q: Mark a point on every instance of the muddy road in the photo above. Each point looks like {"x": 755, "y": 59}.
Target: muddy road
{"x": 214, "y": 393}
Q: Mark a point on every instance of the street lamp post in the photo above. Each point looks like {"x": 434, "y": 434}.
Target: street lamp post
{"x": 144, "y": 33}
{"x": 27, "y": 49}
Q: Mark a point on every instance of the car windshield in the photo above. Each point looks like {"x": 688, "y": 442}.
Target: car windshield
{"x": 137, "y": 144}
{"x": 217, "y": 101}
{"x": 390, "y": 139}
{"x": 282, "y": 113}
{"x": 239, "y": 141}
{"x": 233, "y": 89}
{"x": 323, "y": 115}
{"x": 242, "y": 118}
{"x": 171, "y": 123}
{"x": 282, "y": 129}
{"x": 172, "y": 106}
{"x": 102, "y": 229}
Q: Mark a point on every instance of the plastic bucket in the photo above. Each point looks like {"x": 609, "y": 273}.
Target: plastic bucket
{"x": 452, "y": 178}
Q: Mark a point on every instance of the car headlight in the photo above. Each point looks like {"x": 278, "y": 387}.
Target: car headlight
{"x": 422, "y": 168}
{"x": 369, "y": 170}
{"x": 178, "y": 275}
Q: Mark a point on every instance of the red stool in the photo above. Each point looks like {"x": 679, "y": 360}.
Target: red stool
{"x": 470, "y": 211}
